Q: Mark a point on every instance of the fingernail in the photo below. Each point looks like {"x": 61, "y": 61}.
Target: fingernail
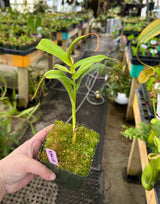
{"x": 52, "y": 176}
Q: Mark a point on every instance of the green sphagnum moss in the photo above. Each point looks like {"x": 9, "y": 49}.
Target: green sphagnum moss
{"x": 75, "y": 158}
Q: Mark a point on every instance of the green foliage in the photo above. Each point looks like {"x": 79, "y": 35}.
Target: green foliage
{"x": 149, "y": 133}
{"x": 8, "y": 138}
{"x": 141, "y": 132}
{"x": 151, "y": 86}
{"x": 134, "y": 50}
{"x": 119, "y": 79}
{"x": 77, "y": 70}
{"x": 34, "y": 22}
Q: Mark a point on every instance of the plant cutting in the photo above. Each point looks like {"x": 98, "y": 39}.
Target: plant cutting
{"x": 74, "y": 145}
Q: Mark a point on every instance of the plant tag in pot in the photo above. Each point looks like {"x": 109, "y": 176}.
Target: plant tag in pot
{"x": 144, "y": 46}
{"x": 153, "y": 42}
{"x": 52, "y": 156}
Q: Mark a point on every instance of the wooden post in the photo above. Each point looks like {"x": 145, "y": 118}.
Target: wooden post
{"x": 64, "y": 45}
{"x": 134, "y": 85}
{"x": 79, "y": 34}
{"x": 134, "y": 165}
{"x": 134, "y": 162}
{"x": 23, "y": 86}
{"x": 51, "y": 61}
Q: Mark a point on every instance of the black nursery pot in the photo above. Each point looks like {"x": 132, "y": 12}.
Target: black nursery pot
{"x": 63, "y": 177}
{"x": 66, "y": 178}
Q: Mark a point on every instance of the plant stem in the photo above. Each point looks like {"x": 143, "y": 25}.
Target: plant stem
{"x": 73, "y": 106}
{"x": 74, "y": 113}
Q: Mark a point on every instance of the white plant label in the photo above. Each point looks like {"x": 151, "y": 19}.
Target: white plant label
{"x": 52, "y": 156}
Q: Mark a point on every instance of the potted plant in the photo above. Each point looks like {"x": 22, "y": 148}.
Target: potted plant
{"x": 74, "y": 145}
{"x": 117, "y": 85}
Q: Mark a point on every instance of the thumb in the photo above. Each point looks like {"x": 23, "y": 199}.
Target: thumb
{"x": 37, "y": 168}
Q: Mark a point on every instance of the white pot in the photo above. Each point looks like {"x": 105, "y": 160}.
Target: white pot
{"x": 121, "y": 98}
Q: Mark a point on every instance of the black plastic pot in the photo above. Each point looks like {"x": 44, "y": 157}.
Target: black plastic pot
{"x": 63, "y": 177}
{"x": 17, "y": 52}
{"x": 129, "y": 32}
{"x": 149, "y": 106}
{"x": 66, "y": 178}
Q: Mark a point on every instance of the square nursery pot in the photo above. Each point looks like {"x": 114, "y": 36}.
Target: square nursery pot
{"x": 64, "y": 177}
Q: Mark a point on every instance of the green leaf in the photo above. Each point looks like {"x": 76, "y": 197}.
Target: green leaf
{"x": 50, "y": 47}
{"x": 9, "y": 127}
{"x": 157, "y": 143}
{"x": 38, "y": 22}
{"x": 58, "y": 74}
{"x": 15, "y": 140}
{"x": 32, "y": 111}
{"x": 156, "y": 129}
{"x": 5, "y": 150}
{"x": 8, "y": 113}
{"x": 62, "y": 68}
{"x": 150, "y": 31}
{"x": 31, "y": 22}
{"x": 92, "y": 68}
{"x": 24, "y": 113}
{"x": 88, "y": 60}
{"x": 82, "y": 69}
{"x": 73, "y": 44}
{"x": 145, "y": 75}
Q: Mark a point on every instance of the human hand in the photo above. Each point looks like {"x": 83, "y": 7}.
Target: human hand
{"x": 20, "y": 167}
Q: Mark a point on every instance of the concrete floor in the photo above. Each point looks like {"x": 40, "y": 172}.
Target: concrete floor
{"x": 117, "y": 190}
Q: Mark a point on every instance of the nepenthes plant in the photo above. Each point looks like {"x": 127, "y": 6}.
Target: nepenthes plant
{"x": 77, "y": 71}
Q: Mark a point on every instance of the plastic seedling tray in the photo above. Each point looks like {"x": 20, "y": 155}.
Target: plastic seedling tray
{"x": 17, "y": 52}
{"x": 149, "y": 60}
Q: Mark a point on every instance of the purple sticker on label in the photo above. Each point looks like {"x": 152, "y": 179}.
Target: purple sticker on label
{"x": 52, "y": 156}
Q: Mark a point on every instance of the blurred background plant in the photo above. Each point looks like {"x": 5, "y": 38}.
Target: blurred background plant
{"x": 9, "y": 114}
